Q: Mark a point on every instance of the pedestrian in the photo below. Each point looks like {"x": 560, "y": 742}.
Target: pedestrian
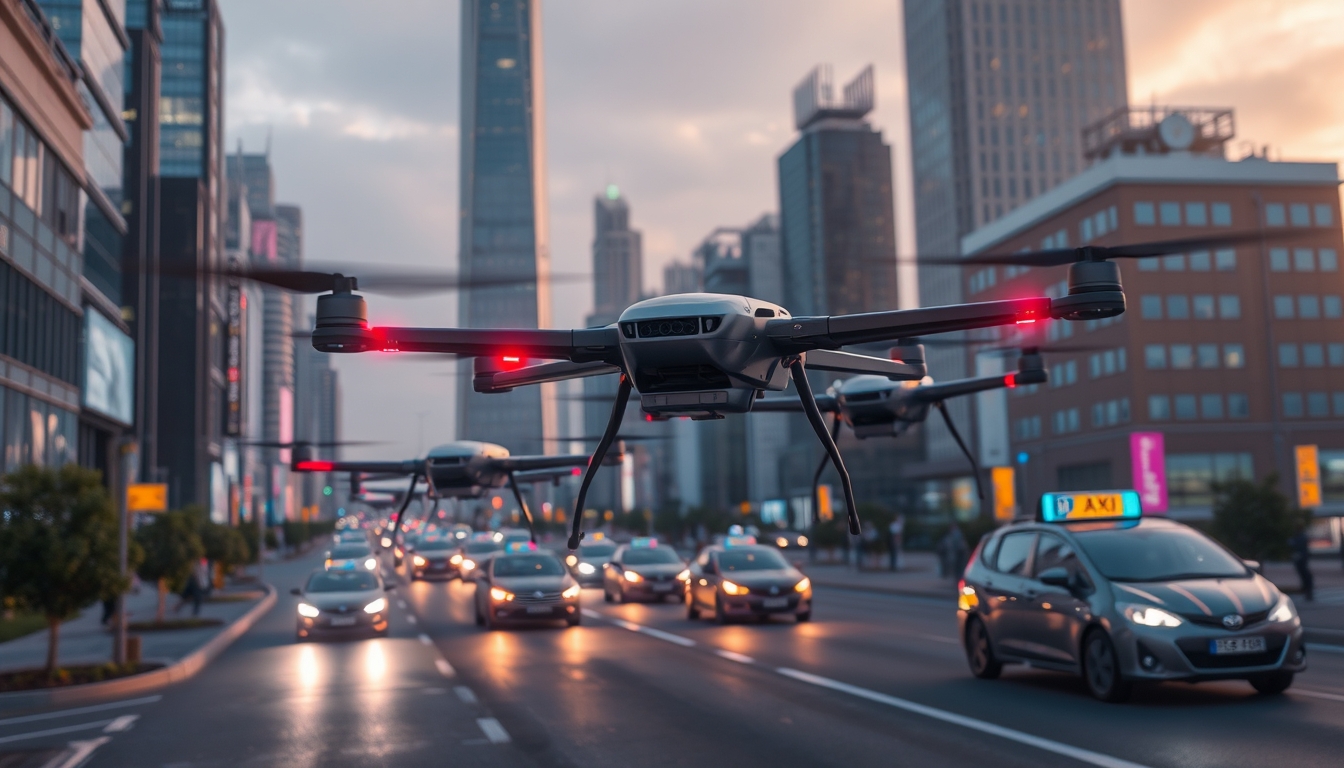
{"x": 895, "y": 536}
{"x": 952, "y": 552}
{"x": 1300, "y": 546}
{"x": 194, "y": 589}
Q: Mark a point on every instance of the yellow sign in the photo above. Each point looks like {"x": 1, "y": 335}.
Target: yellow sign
{"x": 1005, "y": 493}
{"x": 824, "y": 510}
{"x": 1096, "y": 505}
{"x": 1308, "y": 477}
{"x": 147, "y": 497}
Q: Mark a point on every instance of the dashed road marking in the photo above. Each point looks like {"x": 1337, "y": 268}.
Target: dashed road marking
{"x": 78, "y": 753}
{"x": 1048, "y": 745}
{"x": 493, "y": 730}
{"x": 684, "y": 642}
{"x": 121, "y": 724}
{"x": 410, "y": 618}
{"x": 1316, "y": 694}
{"x": 401, "y": 604}
{"x": 425, "y": 639}
{"x": 80, "y": 710}
{"x": 464, "y": 693}
{"x": 445, "y": 668}
{"x": 740, "y": 658}
{"x": 55, "y": 731}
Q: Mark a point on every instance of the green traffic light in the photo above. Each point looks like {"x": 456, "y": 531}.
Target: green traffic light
{"x": 326, "y": 490}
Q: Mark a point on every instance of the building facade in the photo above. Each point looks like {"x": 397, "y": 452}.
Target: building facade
{"x": 503, "y": 222}
{"x": 1233, "y": 355}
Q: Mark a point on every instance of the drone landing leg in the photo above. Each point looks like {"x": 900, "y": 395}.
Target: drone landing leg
{"x": 613, "y": 426}
{"x": 816, "y": 484}
{"x": 401, "y": 514}
{"x": 975, "y": 467}
{"x": 527, "y": 514}
{"x": 819, "y": 425}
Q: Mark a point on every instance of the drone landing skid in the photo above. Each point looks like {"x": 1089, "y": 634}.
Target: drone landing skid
{"x": 818, "y": 423}
{"x": 599, "y": 454}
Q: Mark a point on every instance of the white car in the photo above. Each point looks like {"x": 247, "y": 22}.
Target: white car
{"x": 341, "y": 601}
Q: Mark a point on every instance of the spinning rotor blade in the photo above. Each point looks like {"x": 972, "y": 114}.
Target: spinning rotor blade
{"x": 358, "y": 277}
{"x": 1059, "y": 256}
{"x": 312, "y": 443}
{"x": 596, "y": 438}
{"x": 992, "y": 347}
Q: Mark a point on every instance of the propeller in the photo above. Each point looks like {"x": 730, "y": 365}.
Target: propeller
{"x": 1013, "y": 348}
{"x": 597, "y": 438}
{"x": 311, "y": 443}
{"x": 402, "y": 281}
{"x": 1055, "y": 257}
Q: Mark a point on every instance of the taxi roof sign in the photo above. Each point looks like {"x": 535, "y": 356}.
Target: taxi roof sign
{"x": 643, "y": 542}
{"x": 515, "y": 547}
{"x": 1089, "y": 505}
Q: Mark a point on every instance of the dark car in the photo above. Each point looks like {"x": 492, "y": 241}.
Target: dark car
{"x": 746, "y": 581}
{"x": 431, "y": 556}
{"x": 526, "y": 586}
{"x": 341, "y": 601}
{"x": 1120, "y": 601}
{"x": 469, "y": 558}
{"x": 643, "y": 570}
{"x": 587, "y": 563}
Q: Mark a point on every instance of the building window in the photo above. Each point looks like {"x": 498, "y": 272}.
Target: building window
{"x": 1329, "y": 260}
{"x": 1278, "y": 259}
{"x": 1206, "y": 355}
{"x": 1200, "y": 261}
{"x": 1203, "y": 306}
{"x": 1225, "y": 260}
{"x": 1303, "y": 260}
{"x": 1222, "y": 214}
{"x": 1150, "y": 307}
{"x": 1196, "y": 215}
{"x": 1234, "y": 356}
{"x": 1331, "y": 307}
{"x": 1292, "y": 405}
{"x": 1335, "y": 354}
{"x": 1324, "y": 218}
{"x": 1174, "y": 262}
{"x": 1182, "y": 356}
{"x": 1288, "y": 355}
{"x": 1149, "y": 265}
{"x": 1313, "y": 355}
{"x": 1274, "y": 215}
{"x": 1211, "y": 406}
{"x": 1318, "y": 405}
{"x": 1283, "y": 307}
{"x": 1155, "y": 357}
{"x": 1238, "y": 406}
{"x": 1186, "y": 408}
{"x": 1299, "y": 215}
{"x": 1144, "y": 215}
{"x": 1085, "y": 230}
{"x": 1159, "y": 407}
{"x": 1338, "y": 400}
{"x": 1170, "y": 214}
{"x": 1191, "y": 476}
{"x": 1178, "y": 307}
{"x": 1308, "y": 307}
{"x": 1229, "y": 306}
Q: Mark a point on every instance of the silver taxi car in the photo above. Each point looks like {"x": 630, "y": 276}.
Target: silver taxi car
{"x": 1093, "y": 587}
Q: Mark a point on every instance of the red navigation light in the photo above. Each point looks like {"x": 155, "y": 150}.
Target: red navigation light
{"x": 1026, "y": 322}
{"x": 1010, "y": 381}
{"x": 315, "y": 466}
{"x": 511, "y": 362}
{"x": 575, "y": 472}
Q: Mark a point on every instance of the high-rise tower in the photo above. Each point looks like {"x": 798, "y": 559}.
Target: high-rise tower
{"x": 503, "y": 216}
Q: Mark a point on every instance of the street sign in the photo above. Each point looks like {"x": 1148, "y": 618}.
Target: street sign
{"x": 1148, "y": 457}
{"x": 1308, "y": 477}
{"x": 1059, "y": 507}
{"x": 147, "y": 497}
{"x": 1005, "y": 493}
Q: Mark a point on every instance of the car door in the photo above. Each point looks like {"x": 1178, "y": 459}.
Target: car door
{"x": 1007, "y": 591}
{"x": 1060, "y": 615}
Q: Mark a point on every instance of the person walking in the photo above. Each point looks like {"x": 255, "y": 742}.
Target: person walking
{"x": 895, "y": 535}
{"x": 1300, "y": 546}
{"x": 197, "y": 583}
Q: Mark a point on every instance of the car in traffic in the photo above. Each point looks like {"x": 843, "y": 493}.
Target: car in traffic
{"x": 1093, "y": 587}
{"x": 644, "y": 569}
{"x": 467, "y": 560}
{"x": 587, "y": 563}
{"x": 350, "y": 536}
{"x": 341, "y": 602}
{"x": 526, "y": 585}
{"x": 430, "y": 556}
{"x": 746, "y": 581}
{"x": 356, "y": 556}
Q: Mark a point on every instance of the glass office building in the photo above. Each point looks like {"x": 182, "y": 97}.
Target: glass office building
{"x": 503, "y": 215}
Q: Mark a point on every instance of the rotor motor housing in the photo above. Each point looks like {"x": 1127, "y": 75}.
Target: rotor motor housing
{"x": 1095, "y": 292}
{"x": 343, "y": 324}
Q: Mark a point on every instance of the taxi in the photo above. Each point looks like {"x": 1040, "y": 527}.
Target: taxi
{"x": 523, "y": 583}
{"x": 347, "y": 557}
{"x": 742, "y": 579}
{"x": 644, "y": 569}
{"x": 587, "y": 564}
{"x": 1093, "y": 587}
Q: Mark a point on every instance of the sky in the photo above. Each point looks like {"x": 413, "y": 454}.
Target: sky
{"x": 685, "y": 106}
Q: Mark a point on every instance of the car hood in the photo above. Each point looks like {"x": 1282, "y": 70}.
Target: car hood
{"x": 783, "y": 577}
{"x": 332, "y": 601}
{"x": 1213, "y": 598}
{"x": 436, "y": 553}
{"x": 658, "y": 569}
{"x": 527, "y": 584}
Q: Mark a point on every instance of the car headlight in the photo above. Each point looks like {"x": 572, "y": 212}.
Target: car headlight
{"x": 587, "y": 569}
{"x": 377, "y": 606}
{"x": 802, "y": 541}
{"x": 371, "y": 564}
{"x": 386, "y": 542}
{"x": 733, "y": 589}
{"x": 571, "y": 560}
{"x": 467, "y": 565}
{"x": 1149, "y": 616}
{"x": 572, "y": 592}
{"x": 500, "y": 595}
{"x": 418, "y": 560}
{"x": 308, "y": 610}
{"x": 685, "y": 575}
{"x": 1284, "y": 611}
{"x": 455, "y": 559}
{"x": 632, "y": 577}
{"x": 803, "y": 585}
{"x": 782, "y": 542}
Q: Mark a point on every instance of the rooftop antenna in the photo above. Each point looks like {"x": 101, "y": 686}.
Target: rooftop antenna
{"x": 268, "y": 142}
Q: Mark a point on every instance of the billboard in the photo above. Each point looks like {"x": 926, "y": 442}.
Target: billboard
{"x": 109, "y": 368}
{"x": 264, "y": 239}
{"x": 234, "y": 346}
{"x": 1148, "y": 457}
{"x": 1308, "y": 476}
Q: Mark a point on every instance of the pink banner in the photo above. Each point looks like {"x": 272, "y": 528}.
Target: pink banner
{"x": 264, "y": 239}
{"x": 1149, "y": 458}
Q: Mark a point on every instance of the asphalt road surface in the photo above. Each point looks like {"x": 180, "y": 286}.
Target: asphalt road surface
{"x": 873, "y": 680}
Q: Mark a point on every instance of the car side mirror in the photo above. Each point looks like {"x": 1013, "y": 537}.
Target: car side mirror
{"x": 296, "y": 592}
{"x": 1254, "y": 565}
{"x": 1056, "y": 577}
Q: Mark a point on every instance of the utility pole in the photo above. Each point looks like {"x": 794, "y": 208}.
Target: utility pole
{"x": 127, "y": 458}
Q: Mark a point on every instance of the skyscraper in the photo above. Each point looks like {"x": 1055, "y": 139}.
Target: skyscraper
{"x": 503, "y": 217}
{"x": 999, "y": 94}
{"x": 618, "y": 258}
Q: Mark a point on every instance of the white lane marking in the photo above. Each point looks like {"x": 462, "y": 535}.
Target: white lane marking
{"x": 80, "y": 751}
{"x": 740, "y": 658}
{"x": 54, "y": 731}
{"x": 1325, "y": 648}
{"x": 80, "y": 710}
{"x": 464, "y": 693}
{"x": 1081, "y": 755}
{"x": 591, "y": 614}
{"x": 1317, "y": 694}
{"x": 401, "y": 604}
{"x": 410, "y": 618}
{"x": 493, "y": 730}
{"x": 425, "y": 639}
{"x": 445, "y": 668}
{"x": 684, "y": 642}
{"x": 120, "y": 724}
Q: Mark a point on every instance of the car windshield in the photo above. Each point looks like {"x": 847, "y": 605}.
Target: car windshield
{"x": 342, "y": 581}
{"x": 481, "y": 547}
{"x": 347, "y": 551}
{"x": 435, "y": 545}
{"x": 597, "y": 551}
{"x": 528, "y": 565}
{"x": 650, "y": 556}
{"x": 751, "y": 560}
{"x": 1158, "y": 554}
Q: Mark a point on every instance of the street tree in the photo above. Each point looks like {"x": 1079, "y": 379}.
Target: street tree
{"x": 58, "y": 544}
{"x": 171, "y": 547}
{"x": 1255, "y": 520}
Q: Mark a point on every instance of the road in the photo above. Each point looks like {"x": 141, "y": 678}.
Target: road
{"x": 873, "y": 680}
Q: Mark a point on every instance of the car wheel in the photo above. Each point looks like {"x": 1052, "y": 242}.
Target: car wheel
{"x": 491, "y": 623}
{"x": 574, "y": 620}
{"x": 979, "y": 652}
{"x": 1101, "y": 669}
{"x": 692, "y": 612}
{"x": 1271, "y": 683}
{"x": 719, "y": 616}
{"x": 804, "y": 617}
{"x": 606, "y": 596}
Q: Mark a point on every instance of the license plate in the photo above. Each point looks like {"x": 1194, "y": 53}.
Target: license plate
{"x": 1237, "y": 645}
{"x": 538, "y": 609}
{"x": 343, "y": 621}
{"x": 662, "y": 587}
{"x": 775, "y": 602}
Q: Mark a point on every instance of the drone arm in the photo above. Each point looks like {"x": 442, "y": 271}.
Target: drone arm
{"x": 802, "y": 334}
{"x": 579, "y": 346}
{"x": 613, "y": 426}
{"x": 530, "y": 463}
{"x": 975, "y": 466}
{"x": 503, "y": 381}
{"x": 396, "y": 468}
{"x": 848, "y": 362}
{"x": 527, "y": 513}
{"x": 819, "y": 425}
{"x": 935, "y": 393}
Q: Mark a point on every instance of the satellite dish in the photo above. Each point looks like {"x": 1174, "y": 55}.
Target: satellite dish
{"x": 1176, "y": 131}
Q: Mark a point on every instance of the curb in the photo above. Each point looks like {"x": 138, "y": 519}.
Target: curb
{"x": 180, "y": 670}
